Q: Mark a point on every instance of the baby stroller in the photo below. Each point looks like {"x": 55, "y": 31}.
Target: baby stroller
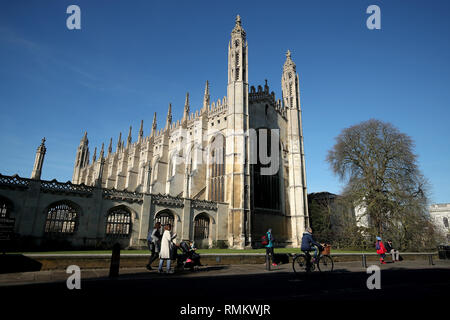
{"x": 188, "y": 259}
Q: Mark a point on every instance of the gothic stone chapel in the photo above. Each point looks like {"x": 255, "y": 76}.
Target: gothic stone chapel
{"x": 194, "y": 173}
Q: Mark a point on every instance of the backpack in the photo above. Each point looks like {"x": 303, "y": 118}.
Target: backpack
{"x": 264, "y": 240}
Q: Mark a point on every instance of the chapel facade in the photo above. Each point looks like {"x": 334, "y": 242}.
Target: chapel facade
{"x": 205, "y": 173}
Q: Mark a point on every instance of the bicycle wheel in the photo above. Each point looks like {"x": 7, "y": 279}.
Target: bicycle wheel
{"x": 299, "y": 264}
{"x": 325, "y": 264}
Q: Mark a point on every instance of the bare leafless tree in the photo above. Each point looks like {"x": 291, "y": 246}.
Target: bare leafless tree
{"x": 380, "y": 169}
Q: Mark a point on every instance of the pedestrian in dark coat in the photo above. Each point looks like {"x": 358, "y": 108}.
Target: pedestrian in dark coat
{"x": 154, "y": 244}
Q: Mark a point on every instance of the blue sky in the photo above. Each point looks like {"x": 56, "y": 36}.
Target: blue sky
{"x": 131, "y": 58}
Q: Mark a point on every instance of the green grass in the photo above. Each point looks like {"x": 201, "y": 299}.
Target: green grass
{"x": 210, "y": 251}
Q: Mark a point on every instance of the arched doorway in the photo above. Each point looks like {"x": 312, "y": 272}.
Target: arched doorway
{"x": 201, "y": 230}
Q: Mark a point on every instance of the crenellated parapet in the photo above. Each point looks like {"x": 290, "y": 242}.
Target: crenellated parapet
{"x": 218, "y": 107}
{"x": 263, "y": 96}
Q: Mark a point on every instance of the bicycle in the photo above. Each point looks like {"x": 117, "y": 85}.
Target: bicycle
{"x": 302, "y": 262}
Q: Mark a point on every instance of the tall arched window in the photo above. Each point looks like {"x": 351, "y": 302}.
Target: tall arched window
{"x": 155, "y": 170}
{"x": 118, "y": 222}
{"x": 217, "y": 169}
{"x": 165, "y": 217}
{"x": 62, "y": 218}
{"x": 201, "y": 227}
{"x": 266, "y": 190}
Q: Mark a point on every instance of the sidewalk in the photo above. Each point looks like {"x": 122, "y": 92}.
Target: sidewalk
{"x": 12, "y": 279}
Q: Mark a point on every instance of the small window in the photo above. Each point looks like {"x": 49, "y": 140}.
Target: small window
{"x": 445, "y": 222}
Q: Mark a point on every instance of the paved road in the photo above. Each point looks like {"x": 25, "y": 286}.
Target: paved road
{"x": 406, "y": 284}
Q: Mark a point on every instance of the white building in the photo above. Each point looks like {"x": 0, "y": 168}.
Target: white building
{"x": 440, "y": 213}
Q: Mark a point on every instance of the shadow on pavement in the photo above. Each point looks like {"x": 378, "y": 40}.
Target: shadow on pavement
{"x": 11, "y": 263}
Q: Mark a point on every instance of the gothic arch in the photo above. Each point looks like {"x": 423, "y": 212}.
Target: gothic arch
{"x": 213, "y": 221}
{"x": 62, "y": 218}
{"x": 167, "y": 216}
{"x": 119, "y": 221}
{"x": 202, "y": 230}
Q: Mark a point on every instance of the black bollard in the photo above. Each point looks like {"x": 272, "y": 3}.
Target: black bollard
{"x": 115, "y": 261}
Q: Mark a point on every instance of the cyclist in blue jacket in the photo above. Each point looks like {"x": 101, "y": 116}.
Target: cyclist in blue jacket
{"x": 309, "y": 244}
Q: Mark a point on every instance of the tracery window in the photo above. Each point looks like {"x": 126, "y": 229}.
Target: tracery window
{"x": 201, "y": 227}
{"x": 118, "y": 222}
{"x": 165, "y": 217}
{"x": 266, "y": 190}
{"x": 217, "y": 169}
{"x": 62, "y": 218}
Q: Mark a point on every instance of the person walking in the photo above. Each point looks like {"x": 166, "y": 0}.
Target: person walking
{"x": 154, "y": 243}
{"x": 269, "y": 246}
{"x": 381, "y": 250}
{"x": 167, "y": 245}
{"x": 390, "y": 249}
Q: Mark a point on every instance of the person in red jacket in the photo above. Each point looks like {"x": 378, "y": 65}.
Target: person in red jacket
{"x": 381, "y": 250}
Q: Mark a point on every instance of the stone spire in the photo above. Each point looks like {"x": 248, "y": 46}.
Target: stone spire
{"x": 289, "y": 64}
{"x": 206, "y": 97}
{"x": 102, "y": 151}
{"x": 169, "y": 117}
{"x": 154, "y": 126}
{"x": 84, "y": 140}
{"x": 82, "y": 158}
{"x": 119, "y": 142}
{"x": 110, "y": 147}
{"x": 238, "y": 27}
{"x": 129, "y": 138}
{"x": 94, "y": 157}
{"x": 39, "y": 161}
{"x": 186, "y": 109}
{"x": 141, "y": 131}
{"x": 99, "y": 179}
{"x": 289, "y": 84}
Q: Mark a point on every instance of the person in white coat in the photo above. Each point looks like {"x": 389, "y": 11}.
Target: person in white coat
{"x": 167, "y": 245}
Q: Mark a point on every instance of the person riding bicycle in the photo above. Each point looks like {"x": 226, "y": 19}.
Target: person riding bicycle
{"x": 309, "y": 244}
